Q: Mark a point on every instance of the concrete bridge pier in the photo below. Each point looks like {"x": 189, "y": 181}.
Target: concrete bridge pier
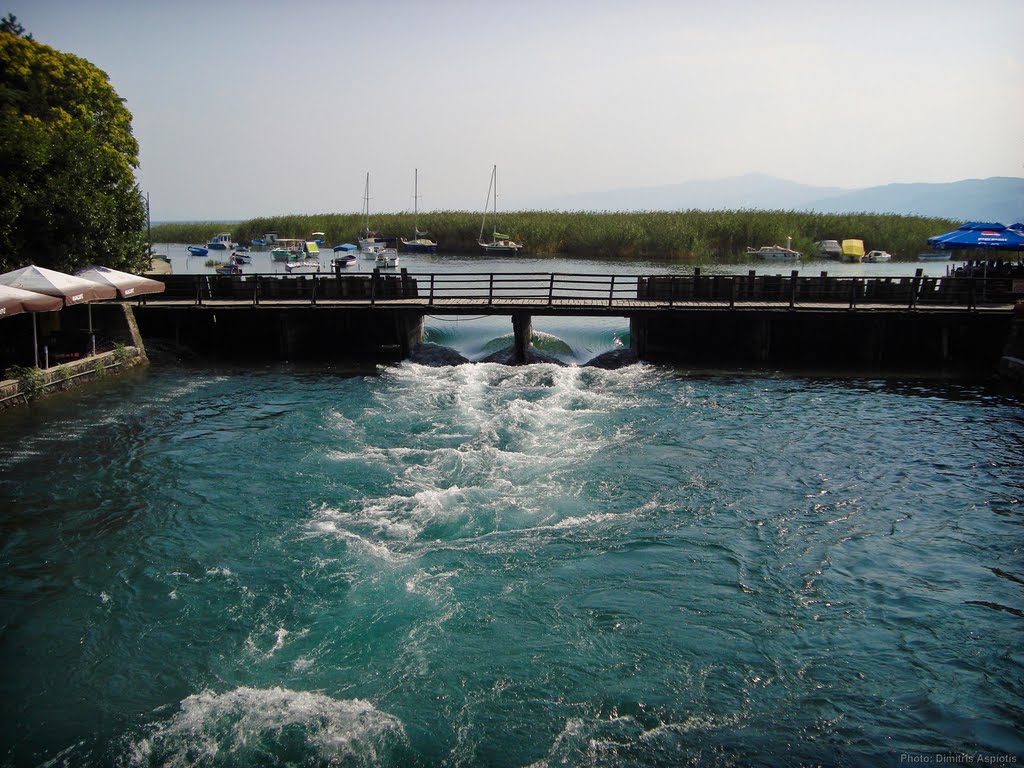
{"x": 522, "y": 328}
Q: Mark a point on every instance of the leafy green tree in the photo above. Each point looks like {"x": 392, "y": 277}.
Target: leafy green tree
{"x": 9, "y": 23}
{"x": 68, "y": 195}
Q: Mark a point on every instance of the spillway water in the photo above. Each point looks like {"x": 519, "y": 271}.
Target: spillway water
{"x": 535, "y": 566}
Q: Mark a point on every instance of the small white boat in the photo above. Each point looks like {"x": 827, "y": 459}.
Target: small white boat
{"x": 775, "y": 252}
{"x": 343, "y": 259}
{"x": 877, "y": 257}
{"x": 386, "y": 258}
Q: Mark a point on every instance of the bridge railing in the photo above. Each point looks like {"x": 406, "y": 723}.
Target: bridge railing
{"x": 550, "y": 288}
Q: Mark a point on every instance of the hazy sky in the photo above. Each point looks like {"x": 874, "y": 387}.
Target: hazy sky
{"x": 251, "y": 108}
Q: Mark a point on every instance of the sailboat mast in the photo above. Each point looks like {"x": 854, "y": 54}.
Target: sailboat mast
{"x": 366, "y": 203}
{"x": 483, "y": 222}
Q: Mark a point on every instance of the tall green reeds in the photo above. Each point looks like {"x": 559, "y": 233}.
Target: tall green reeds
{"x": 692, "y": 236}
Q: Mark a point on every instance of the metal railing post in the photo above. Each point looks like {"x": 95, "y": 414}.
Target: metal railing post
{"x": 611, "y": 291}
{"x": 431, "y": 299}
{"x": 490, "y": 290}
{"x": 551, "y": 289}
{"x": 256, "y": 291}
{"x": 792, "y": 288}
{"x": 373, "y": 285}
{"x": 316, "y": 282}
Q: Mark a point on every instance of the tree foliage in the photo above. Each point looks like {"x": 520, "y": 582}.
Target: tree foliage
{"x": 68, "y": 195}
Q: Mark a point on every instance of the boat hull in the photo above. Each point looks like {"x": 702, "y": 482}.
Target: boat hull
{"x": 415, "y": 246}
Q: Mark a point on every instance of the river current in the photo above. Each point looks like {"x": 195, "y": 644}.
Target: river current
{"x": 537, "y": 566}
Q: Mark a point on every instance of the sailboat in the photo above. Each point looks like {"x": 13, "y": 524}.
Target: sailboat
{"x": 420, "y": 243}
{"x": 500, "y": 243}
{"x": 370, "y": 242}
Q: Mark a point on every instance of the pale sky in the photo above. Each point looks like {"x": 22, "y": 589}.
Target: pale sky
{"x": 247, "y": 108}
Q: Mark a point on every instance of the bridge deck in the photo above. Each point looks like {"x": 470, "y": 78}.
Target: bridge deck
{"x": 576, "y": 306}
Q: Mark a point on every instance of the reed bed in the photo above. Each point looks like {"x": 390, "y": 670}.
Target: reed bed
{"x": 687, "y": 236}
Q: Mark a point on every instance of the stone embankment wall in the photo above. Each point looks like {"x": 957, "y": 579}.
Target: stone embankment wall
{"x": 118, "y": 321}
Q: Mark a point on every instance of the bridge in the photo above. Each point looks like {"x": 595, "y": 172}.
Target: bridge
{"x": 766, "y": 317}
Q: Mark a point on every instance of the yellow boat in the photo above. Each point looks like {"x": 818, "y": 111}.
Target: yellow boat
{"x": 853, "y": 250}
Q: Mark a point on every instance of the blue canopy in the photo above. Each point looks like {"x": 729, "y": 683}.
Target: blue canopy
{"x": 345, "y": 247}
{"x": 979, "y": 235}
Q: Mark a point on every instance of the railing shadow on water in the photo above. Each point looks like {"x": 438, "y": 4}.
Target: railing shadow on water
{"x": 549, "y": 288}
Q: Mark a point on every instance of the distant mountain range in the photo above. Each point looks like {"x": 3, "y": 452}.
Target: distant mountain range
{"x": 999, "y": 198}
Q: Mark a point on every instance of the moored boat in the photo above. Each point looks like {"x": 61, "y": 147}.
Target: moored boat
{"x": 499, "y": 242}
{"x": 877, "y": 257}
{"x": 386, "y": 258}
{"x": 343, "y": 259}
{"x": 370, "y": 240}
{"x": 197, "y": 250}
{"x": 221, "y": 242}
{"x": 289, "y": 249}
{"x": 774, "y": 253}
{"x": 829, "y": 249}
{"x": 853, "y": 250}
{"x": 420, "y": 242}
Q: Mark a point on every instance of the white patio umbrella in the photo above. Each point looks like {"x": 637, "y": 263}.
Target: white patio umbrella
{"x": 71, "y": 289}
{"x": 14, "y": 301}
{"x": 127, "y": 284}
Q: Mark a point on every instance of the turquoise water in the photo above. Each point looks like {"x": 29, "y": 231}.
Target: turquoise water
{"x": 535, "y": 566}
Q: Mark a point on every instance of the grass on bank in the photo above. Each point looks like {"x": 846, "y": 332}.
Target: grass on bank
{"x": 688, "y": 236}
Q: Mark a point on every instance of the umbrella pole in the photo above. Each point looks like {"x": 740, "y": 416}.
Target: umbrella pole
{"x": 92, "y": 336}
{"x": 35, "y": 340}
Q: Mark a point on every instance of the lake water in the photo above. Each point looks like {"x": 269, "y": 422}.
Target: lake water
{"x": 536, "y": 566}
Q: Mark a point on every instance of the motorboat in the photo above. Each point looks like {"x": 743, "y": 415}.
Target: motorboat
{"x": 829, "y": 249}
{"x": 343, "y": 259}
{"x": 221, "y": 242}
{"x": 197, "y": 250}
{"x": 774, "y": 253}
{"x": 386, "y": 258}
{"x": 319, "y": 238}
{"x": 853, "y": 250}
{"x": 290, "y": 249}
{"x": 877, "y": 257}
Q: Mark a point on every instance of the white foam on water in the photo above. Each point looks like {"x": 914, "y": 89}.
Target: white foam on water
{"x": 250, "y": 725}
{"x": 622, "y": 738}
{"x": 481, "y": 448}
